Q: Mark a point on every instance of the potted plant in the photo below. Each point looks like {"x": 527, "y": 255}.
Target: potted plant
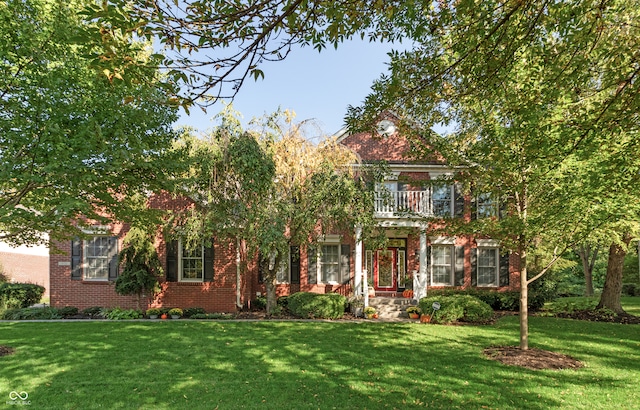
{"x": 153, "y": 313}
{"x": 414, "y": 312}
{"x": 175, "y": 313}
{"x": 369, "y": 312}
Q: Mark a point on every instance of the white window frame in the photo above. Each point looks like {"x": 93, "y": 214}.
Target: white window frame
{"x": 330, "y": 240}
{"x": 496, "y": 267}
{"x": 103, "y": 258}
{"x": 181, "y": 258}
{"x": 450, "y": 185}
{"x": 450, "y": 265}
{"x": 489, "y": 203}
{"x": 284, "y": 271}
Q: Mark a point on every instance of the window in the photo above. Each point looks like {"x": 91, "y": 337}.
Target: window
{"x": 488, "y": 266}
{"x": 97, "y": 256}
{"x": 94, "y": 259}
{"x": 191, "y": 263}
{"x": 330, "y": 265}
{"x": 486, "y": 206}
{"x": 442, "y": 265}
{"x": 441, "y": 197}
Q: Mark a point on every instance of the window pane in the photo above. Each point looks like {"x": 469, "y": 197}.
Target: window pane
{"x": 487, "y": 267}
{"x": 441, "y": 197}
{"x": 330, "y": 263}
{"x": 97, "y": 258}
{"x": 442, "y": 257}
{"x": 192, "y": 263}
{"x": 486, "y": 206}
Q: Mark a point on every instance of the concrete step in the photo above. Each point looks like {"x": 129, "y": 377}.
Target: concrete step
{"x": 390, "y": 307}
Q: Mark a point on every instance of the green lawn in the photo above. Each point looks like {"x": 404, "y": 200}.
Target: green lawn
{"x": 189, "y": 364}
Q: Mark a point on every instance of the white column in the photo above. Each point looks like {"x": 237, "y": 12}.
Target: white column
{"x": 421, "y": 290}
{"x": 365, "y": 286}
{"x": 357, "y": 285}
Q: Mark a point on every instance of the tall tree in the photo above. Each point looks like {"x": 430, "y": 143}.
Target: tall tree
{"x": 588, "y": 255}
{"x": 73, "y": 142}
{"x": 283, "y": 191}
{"x": 534, "y": 91}
{"x": 141, "y": 267}
{"x": 213, "y": 46}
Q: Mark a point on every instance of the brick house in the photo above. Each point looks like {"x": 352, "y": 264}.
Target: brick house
{"x": 82, "y": 274}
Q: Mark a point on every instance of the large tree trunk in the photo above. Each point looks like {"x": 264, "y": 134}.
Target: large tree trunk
{"x": 588, "y": 259}
{"x": 270, "y": 284}
{"x": 524, "y": 304}
{"x": 610, "y": 298}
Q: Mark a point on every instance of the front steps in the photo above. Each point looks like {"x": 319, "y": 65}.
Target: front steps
{"x": 391, "y": 307}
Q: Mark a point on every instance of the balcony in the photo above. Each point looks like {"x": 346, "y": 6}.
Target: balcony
{"x": 403, "y": 204}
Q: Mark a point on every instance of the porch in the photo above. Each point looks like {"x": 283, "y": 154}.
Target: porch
{"x": 403, "y": 204}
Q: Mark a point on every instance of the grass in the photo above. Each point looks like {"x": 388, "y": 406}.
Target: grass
{"x": 630, "y": 304}
{"x": 191, "y": 364}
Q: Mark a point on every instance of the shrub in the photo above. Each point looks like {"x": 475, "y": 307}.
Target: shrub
{"x": 20, "y": 295}
{"x": 120, "y": 314}
{"x": 317, "y": 305}
{"x": 68, "y": 311}
{"x": 631, "y": 289}
{"x": 46, "y": 313}
{"x": 188, "y": 312}
{"x": 259, "y": 303}
{"x": 455, "y": 308}
{"x": 93, "y": 312}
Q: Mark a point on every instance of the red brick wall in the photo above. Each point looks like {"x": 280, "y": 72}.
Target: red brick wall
{"x": 216, "y": 296}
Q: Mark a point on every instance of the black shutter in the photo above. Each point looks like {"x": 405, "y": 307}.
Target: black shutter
{"x": 294, "y": 263}
{"x": 474, "y": 266}
{"x": 345, "y": 263}
{"x": 458, "y": 202}
{"x": 172, "y": 261}
{"x": 504, "y": 269}
{"x": 76, "y": 259}
{"x": 208, "y": 263}
{"x": 458, "y": 279}
{"x": 428, "y": 267}
{"x": 113, "y": 258}
{"x": 312, "y": 272}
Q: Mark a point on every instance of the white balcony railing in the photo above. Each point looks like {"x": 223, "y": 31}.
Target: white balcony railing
{"x": 403, "y": 203}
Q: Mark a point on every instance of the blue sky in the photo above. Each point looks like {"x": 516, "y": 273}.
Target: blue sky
{"x": 315, "y": 85}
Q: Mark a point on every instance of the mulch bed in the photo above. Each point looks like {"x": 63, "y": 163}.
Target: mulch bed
{"x": 6, "y": 350}
{"x": 532, "y": 358}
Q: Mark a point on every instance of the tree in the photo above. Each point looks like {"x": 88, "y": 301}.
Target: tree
{"x": 141, "y": 267}
{"x": 588, "y": 256}
{"x": 277, "y": 191}
{"x": 544, "y": 100}
{"x": 74, "y": 142}
{"x": 211, "y": 47}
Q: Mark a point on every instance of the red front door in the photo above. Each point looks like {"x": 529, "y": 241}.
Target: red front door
{"x": 385, "y": 273}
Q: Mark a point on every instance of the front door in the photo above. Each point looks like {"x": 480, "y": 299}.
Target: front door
{"x": 385, "y": 272}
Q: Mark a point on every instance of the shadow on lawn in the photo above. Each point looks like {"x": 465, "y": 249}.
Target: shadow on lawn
{"x": 279, "y": 365}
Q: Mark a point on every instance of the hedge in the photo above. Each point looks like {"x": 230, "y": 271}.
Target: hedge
{"x": 19, "y": 295}
{"x": 456, "y": 308}
{"x": 506, "y": 301}
{"x": 317, "y": 305}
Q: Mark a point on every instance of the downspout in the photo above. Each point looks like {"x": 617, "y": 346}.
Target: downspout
{"x": 238, "y": 275}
